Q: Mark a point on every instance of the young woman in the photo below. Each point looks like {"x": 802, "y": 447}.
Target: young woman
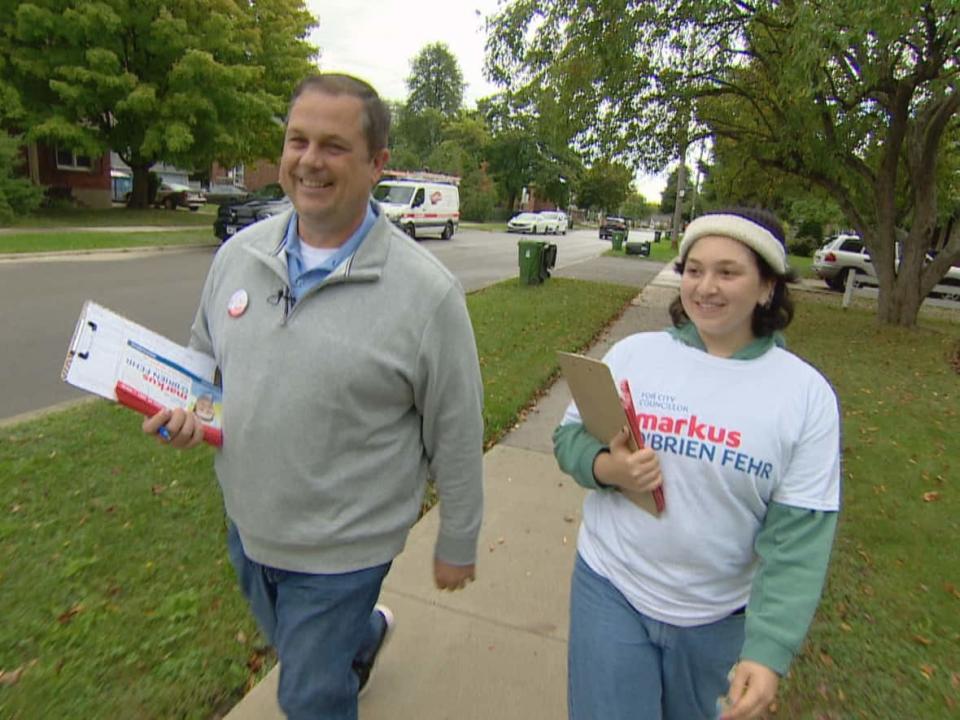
{"x": 698, "y": 612}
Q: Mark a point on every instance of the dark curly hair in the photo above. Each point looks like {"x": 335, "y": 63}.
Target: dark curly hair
{"x": 766, "y": 319}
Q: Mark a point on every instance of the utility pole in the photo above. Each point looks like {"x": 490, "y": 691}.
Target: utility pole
{"x": 681, "y": 185}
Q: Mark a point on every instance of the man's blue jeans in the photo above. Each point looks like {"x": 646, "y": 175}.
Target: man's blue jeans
{"x": 318, "y": 624}
{"x": 623, "y": 665}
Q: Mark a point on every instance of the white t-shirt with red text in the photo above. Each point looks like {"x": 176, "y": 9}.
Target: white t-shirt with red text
{"x": 732, "y": 436}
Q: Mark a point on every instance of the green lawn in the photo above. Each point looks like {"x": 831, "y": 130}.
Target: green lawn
{"x": 53, "y": 241}
{"x": 886, "y": 641}
{"x": 116, "y": 216}
{"x": 116, "y": 595}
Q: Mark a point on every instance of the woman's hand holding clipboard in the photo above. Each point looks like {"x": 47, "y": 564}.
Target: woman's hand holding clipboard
{"x": 605, "y": 411}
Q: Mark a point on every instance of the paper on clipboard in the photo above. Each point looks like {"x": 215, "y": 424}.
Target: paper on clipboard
{"x": 595, "y": 393}
{"x": 120, "y": 360}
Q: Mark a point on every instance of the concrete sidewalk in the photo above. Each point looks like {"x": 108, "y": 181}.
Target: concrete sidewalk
{"x": 497, "y": 649}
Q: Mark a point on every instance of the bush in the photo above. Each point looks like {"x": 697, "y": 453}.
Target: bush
{"x": 18, "y": 196}
{"x": 57, "y": 197}
{"x": 802, "y": 246}
{"x": 477, "y": 196}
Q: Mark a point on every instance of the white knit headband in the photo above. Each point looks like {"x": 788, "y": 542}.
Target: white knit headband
{"x": 754, "y": 236}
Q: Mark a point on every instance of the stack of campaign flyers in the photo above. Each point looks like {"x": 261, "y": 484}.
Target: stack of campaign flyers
{"x": 120, "y": 360}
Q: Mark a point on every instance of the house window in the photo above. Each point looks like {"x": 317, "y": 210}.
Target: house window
{"x": 69, "y": 160}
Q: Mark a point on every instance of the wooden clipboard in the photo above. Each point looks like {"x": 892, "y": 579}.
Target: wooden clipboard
{"x": 594, "y": 391}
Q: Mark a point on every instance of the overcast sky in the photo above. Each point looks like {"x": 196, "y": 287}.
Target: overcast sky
{"x": 376, "y": 40}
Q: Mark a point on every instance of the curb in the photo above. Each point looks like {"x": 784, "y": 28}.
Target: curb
{"x": 43, "y": 412}
{"x": 68, "y": 254}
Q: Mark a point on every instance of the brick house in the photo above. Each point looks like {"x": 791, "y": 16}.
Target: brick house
{"x": 85, "y": 178}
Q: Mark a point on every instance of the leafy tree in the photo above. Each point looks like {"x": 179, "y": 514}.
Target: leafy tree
{"x": 605, "y": 186}
{"x": 623, "y": 80}
{"x": 528, "y": 150}
{"x": 477, "y": 195}
{"x": 860, "y": 99}
{"x": 17, "y": 194}
{"x": 435, "y": 81}
{"x": 513, "y": 155}
{"x": 636, "y": 207}
{"x": 416, "y": 135}
{"x": 185, "y": 83}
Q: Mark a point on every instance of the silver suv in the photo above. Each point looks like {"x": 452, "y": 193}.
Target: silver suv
{"x": 844, "y": 254}
{"x": 838, "y": 257}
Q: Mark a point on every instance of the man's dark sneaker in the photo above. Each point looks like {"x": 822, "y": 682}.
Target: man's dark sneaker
{"x": 364, "y": 669}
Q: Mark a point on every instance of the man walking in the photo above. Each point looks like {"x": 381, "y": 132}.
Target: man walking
{"x": 349, "y": 373}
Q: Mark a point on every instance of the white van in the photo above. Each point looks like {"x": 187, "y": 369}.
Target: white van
{"x": 420, "y": 207}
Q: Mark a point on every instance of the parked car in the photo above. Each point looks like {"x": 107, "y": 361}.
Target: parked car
{"x": 611, "y": 223}
{"x": 527, "y": 223}
{"x": 839, "y": 256}
{"x": 173, "y": 195}
{"x": 950, "y": 279}
{"x": 558, "y": 221}
{"x": 846, "y": 253}
{"x": 227, "y": 194}
{"x": 266, "y": 202}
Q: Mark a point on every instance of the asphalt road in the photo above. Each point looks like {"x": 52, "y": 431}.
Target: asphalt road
{"x": 40, "y": 300}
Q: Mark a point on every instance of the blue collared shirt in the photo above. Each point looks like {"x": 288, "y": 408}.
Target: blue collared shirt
{"x": 301, "y": 280}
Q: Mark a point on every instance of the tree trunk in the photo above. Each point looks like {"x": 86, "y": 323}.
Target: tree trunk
{"x": 140, "y": 193}
{"x": 899, "y": 304}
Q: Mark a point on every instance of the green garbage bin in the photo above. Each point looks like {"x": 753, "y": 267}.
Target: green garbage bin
{"x": 618, "y": 237}
{"x": 531, "y": 261}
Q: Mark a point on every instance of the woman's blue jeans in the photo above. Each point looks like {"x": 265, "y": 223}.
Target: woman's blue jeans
{"x": 623, "y": 665}
{"x": 318, "y": 624}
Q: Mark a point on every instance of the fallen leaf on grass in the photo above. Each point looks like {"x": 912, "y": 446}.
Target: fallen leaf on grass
{"x": 845, "y": 627}
{"x": 157, "y": 489}
{"x": 66, "y": 617}
{"x": 242, "y": 637}
{"x": 8, "y": 678}
{"x": 952, "y": 589}
{"x": 921, "y": 640}
{"x": 955, "y": 681}
{"x": 255, "y": 661}
{"x": 932, "y": 496}
{"x": 927, "y": 671}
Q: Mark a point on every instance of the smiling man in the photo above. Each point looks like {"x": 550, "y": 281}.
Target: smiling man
{"x": 350, "y": 374}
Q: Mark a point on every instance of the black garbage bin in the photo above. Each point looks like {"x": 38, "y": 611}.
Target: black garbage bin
{"x": 548, "y": 260}
{"x": 637, "y": 247}
{"x": 656, "y": 236}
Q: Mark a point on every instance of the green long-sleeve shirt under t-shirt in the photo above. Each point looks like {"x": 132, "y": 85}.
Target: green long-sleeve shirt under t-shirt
{"x": 793, "y": 545}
